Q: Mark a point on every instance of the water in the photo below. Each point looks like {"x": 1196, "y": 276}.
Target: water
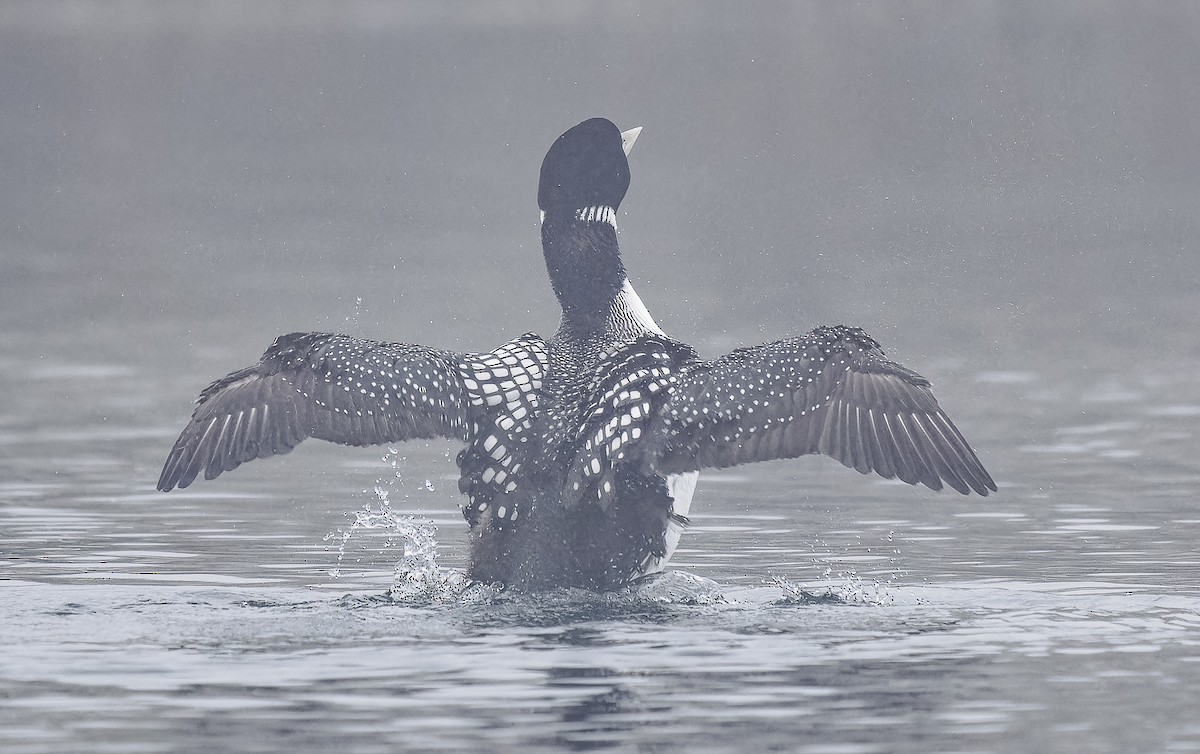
{"x": 1005, "y": 196}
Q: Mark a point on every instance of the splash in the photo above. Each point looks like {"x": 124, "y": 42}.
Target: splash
{"x": 352, "y": 318}
{"x": 796, "y": 594}
{"x": 676, "y": 588}
{"x": 417, "y": 577}
{"x": 839, "y": 584}
{"x": 837, "y": 587}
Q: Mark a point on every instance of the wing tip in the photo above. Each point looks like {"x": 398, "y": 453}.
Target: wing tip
{"x": 168, "y": 478}
{"x": 974, "y": 478}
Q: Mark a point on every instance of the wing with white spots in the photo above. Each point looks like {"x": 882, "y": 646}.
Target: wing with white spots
{"x": 494, "y": 457}
{"x": 629, "y": 385}
{"x": 348, "y": 391}
{"x": 831, "y": 391}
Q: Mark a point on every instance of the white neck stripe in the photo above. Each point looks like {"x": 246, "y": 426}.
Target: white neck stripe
{"x": 594, "y": 214}
{"x": 597, "y": 214}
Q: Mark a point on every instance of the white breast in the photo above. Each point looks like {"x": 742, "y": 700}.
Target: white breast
{"x": 681, "y": 487}
{"x": 633, "y": 304}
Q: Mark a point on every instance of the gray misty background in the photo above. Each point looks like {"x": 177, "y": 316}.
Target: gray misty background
{"x": 1006, "y": 195}
{"x": 988, "y": 188}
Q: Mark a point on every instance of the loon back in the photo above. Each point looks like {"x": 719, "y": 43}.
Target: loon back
{"x": 581, "y": 453}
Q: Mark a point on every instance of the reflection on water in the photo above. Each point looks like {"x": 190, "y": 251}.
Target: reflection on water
{"x": 1006, "y": 196}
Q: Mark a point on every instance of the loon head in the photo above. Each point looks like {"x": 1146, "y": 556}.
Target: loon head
{"x": 584, "y": 178}
{"x": 586, "y": 167}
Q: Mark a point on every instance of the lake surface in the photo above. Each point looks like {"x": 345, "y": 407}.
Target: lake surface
{"x": 1005, "y": 196}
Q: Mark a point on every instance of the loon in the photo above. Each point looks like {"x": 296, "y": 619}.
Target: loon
{"x": 582, "y": 451}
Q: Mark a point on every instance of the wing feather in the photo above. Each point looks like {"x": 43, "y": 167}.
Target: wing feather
{"x": 336, "y": 388}
{"x": 832, "y": 392}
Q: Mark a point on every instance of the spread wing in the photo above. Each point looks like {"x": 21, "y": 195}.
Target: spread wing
{"x": 831, "y": 391}
{"x": 349, "y": 391}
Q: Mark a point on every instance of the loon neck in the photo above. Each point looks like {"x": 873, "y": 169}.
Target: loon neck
{"x": 584, "y": 264}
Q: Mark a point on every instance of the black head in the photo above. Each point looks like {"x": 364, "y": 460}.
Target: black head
{"x": 585, "y": 167}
